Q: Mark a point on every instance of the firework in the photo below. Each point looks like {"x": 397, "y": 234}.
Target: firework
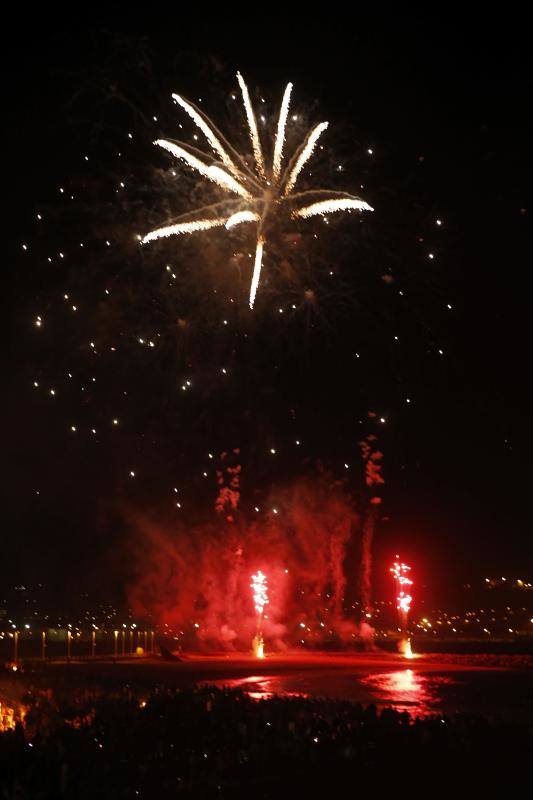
{"x": 403, "y": 603}
{"x": 260, "y": 597}
{"x": 403, "y": 598}
{"x": 263, "y": 191}
{"x": 280, "y": 135}
{"x": 372, "y": 458}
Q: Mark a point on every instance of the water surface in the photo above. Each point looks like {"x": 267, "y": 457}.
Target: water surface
{"x": 498, "y": 692}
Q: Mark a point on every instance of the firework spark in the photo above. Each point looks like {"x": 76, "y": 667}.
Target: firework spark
{"x": 403, "y": 598}
{"x": 263, "y": 191}
{"x": 252, "y": 126}
{"x": 241, "y": 216}
{"x": 260, "y": 597}
{"x": 260, "y": 592}
{"x": 403, "y": 603}
{"x": 280, "y": 135}
{"x": 257, "y": 271}
{"x": 305, "y": 154}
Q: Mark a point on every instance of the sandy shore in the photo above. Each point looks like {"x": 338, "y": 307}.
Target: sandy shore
{"x": 194, "y": 668}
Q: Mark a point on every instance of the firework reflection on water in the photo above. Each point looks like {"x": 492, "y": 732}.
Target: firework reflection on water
{"x": 419, "y": 694}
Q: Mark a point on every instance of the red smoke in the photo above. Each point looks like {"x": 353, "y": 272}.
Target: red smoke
{"x": 197, "y": 580}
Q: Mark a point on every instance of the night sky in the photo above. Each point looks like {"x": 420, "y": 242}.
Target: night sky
{"x": 445, "y": 106}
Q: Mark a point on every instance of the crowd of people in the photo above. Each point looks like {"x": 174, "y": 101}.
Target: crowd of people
{"x": 222, "y": 743}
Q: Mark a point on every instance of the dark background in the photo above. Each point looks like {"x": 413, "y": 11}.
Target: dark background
{"x": 445, "y": 102}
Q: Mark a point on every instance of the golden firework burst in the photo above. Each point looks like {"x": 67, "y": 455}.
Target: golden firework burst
{"x": 262, "y": 190}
